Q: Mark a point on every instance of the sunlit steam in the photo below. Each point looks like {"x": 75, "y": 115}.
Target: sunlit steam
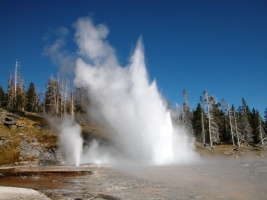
{"x": 71, "y": 141}
{"x": 125, "y": 103}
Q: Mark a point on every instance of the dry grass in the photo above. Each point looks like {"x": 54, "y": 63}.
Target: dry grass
{"x": 45, "y": 137}
{"x": 34, "y": 130}
{"x": 8, "y": 151}
{"x": 231, "y": 151}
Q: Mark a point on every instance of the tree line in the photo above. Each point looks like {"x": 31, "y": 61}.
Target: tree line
{"x": 58, "y": 100}
{"x": 211, "y": 122}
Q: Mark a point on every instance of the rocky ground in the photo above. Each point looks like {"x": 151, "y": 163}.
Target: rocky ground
{"x": 27, "y": 139}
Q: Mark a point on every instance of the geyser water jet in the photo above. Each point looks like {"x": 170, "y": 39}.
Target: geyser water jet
{"x": 125, "y": 103}
{"x": 71, "y": 141}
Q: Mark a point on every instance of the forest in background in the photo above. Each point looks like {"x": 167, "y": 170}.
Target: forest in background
{"x": 212, "y": 122}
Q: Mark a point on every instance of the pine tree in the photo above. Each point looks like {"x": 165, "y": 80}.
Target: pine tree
{"x": 254, "y": 122}
{"x": 186, "y": 116}
{"x": 81, "y": 105}
{"x": 265, "y": 122}
{"x": 20, "y": 94}
{"x": 225, "y": 122}
{"x": 32, "y": 99}
{"x": 198, "y": 124}
{"x": 257, "y": 128}
{"x": 2, "y": 97}
{"x": 244, "y": 124}
{"x": 52, "y": 97}
{"x": 81, "y": 101}
{"x": 11, "y": 97}
{"x": 16, "y": 98}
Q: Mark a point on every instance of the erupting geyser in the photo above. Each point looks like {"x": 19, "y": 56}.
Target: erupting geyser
{"x": 71, "y": 141}
{"x": 125, "y": 103}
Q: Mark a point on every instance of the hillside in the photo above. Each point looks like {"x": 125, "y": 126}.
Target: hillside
{"x": 28, "y": 139}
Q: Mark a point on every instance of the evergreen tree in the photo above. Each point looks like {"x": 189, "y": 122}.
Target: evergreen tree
{"x": 16, "y": 96}
{"x": 198, "y": 124}
{"x": 81, "y": 106}
{"x": 52, "y": 99}
{"x": 244, "y": 124}
{"x": 81, "y": 101}
{"x": 11, "y": 97}
{"x": 225, "y": 129}
{"x": 265, "y": 122}
{"x": 32, "y": 99}
{"x": 258, "y": 131}
{"x": 254, "y": 122}
{"x": 2, "y": 97}
{"x": 186, "y": 116}
{"x": 218, "y": 118}
{"x": 20, "y": 94}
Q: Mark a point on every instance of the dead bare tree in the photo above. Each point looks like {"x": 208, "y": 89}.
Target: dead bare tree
{"x": 262, "y": 135}
{"x": 230, "y": 114}
{"x": 237, "y": 131}
{"x": 203, "y": 132}
{"x": 213, "y": 127}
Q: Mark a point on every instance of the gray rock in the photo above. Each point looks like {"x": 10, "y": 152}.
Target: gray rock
{"x": 32, "y": 150}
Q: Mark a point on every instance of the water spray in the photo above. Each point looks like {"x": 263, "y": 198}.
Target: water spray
{"x": 125, "y": 103}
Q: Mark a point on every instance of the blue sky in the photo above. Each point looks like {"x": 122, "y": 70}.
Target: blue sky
{"x": 220, "y": 46}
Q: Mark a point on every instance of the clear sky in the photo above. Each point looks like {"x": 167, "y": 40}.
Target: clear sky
{"x": 214, "y": 45}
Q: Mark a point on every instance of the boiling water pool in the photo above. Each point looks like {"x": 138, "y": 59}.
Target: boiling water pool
{"x": 210, "y": 179}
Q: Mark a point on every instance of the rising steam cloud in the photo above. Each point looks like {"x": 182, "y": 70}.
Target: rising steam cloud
{"x": 70, "y": 141}
{"x": 125, "y": 103}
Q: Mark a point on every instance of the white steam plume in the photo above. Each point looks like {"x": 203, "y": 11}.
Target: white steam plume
{"x": 123, "y": 101}
{"x": 71, "y": 141}
{"x": 57, "y": 52}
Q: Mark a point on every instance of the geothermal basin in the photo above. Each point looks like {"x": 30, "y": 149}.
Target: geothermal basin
{"x": 211, "y": 178}
{"x": 127, "y": 105}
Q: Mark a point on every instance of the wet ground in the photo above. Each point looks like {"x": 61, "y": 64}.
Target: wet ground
{"x": 222, "y": 178}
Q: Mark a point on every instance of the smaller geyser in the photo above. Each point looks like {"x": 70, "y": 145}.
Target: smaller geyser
{"x": 70, "y": 141}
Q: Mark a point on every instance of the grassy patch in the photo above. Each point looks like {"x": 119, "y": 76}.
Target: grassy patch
{"x": 9, "y": 154}
{"x": 231, "y": 151}
{"x": 27, "y": 131}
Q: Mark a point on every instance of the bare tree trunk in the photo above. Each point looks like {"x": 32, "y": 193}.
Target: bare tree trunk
{"x": 16, "y": 78}
{"x": 72, "y": 105}
{"x": 203, "y": 128}
{"x": 237, "y": 133}
{"x": 261, "y": 134}
{"x": 231, "y": 125}
{"x": 209, "y": 117}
